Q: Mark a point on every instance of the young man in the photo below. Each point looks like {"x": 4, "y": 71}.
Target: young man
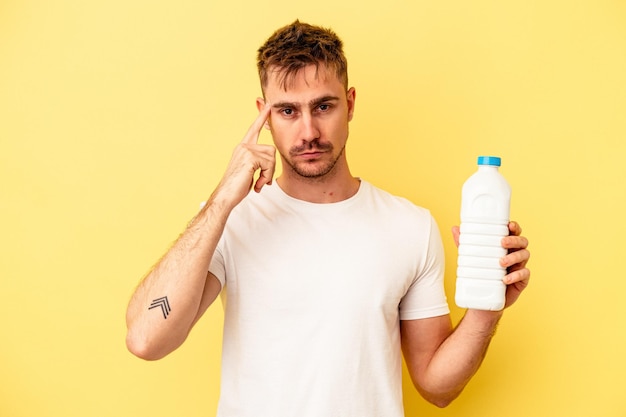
{"x": 326, "y": 277}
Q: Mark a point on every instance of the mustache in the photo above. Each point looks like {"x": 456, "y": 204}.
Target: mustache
{"x": 307, "y": 146}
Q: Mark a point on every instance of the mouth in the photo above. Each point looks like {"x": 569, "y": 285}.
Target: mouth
{"x": 310, "y": 154}
{"x": 311, "y": 150}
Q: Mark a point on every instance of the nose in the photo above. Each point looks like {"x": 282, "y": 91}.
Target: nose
{"x": 308, "y": 130}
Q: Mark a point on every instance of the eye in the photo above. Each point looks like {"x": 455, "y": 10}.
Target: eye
{"x": 323, "y": 107}
{"x": 287, "y": 112}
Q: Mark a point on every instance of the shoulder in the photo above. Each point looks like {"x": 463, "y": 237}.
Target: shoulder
{"x": 267, "y": 197}
{"x": 396, "y": 204}
{"x": 256, "y": 209}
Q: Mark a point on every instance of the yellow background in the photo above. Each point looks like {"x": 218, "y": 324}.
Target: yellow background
{"x": 118, "y": 117}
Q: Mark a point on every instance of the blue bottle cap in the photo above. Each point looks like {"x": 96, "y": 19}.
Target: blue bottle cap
{"x": 489, "y": 160}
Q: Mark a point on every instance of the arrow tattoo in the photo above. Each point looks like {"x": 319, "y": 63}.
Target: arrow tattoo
{"x": 163, "y": 303}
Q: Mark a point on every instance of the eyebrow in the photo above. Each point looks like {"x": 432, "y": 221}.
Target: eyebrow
{"x": 313, "y": 103}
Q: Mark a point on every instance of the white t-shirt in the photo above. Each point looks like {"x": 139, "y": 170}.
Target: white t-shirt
{"x": 313, "y": 298}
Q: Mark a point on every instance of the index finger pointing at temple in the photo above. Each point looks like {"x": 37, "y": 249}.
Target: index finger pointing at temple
{"x": 252, "y": 136}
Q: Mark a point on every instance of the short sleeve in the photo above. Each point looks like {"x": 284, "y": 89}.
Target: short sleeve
{"x": 426, "y": 296}
{"x": 217, "y": 266}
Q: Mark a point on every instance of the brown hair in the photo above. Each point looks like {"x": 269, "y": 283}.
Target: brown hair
{"x": 295, "y": 46}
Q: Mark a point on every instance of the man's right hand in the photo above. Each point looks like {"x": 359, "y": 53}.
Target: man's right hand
{"x": 181, "y": 275}
{"x": 248, "y": 158}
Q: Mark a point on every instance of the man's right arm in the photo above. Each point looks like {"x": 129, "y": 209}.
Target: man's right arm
{"x": 178, "y": 289}
{"x": 167, "y": 302}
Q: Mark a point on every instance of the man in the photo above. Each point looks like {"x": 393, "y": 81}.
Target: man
{"x": 326, "y": 277}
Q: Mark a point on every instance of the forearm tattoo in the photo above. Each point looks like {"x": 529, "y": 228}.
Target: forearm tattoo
{"x": 163, "y": 303}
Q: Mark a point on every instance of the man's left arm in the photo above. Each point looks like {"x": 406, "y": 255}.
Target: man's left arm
{"x": 442, "y": 360}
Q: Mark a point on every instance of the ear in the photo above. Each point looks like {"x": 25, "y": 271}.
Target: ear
{"x": 260, "y": 104}
{"x": 351, "y": 98}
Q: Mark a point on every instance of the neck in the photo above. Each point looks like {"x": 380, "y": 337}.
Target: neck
{"x": 337, "y": 185}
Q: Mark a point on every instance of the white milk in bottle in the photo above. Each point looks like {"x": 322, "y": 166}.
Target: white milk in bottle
{"x": 485, "y": 206}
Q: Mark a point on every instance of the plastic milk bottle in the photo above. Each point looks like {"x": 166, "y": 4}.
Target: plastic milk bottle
{"x": 485, "y": 206}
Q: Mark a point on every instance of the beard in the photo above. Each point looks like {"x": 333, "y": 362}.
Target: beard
{"x": 313, "y": 169}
